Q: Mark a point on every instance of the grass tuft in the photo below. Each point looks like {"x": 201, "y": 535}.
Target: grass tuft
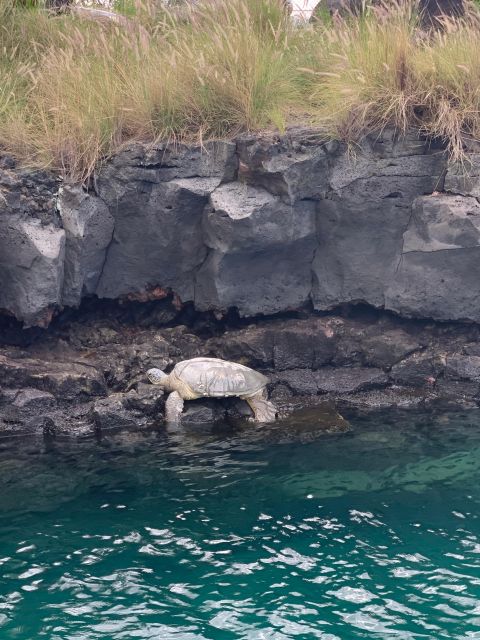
{"x": 73, "y": 90}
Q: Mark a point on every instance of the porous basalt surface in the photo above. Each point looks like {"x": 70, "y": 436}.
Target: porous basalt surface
{"x": 88, "y": 372}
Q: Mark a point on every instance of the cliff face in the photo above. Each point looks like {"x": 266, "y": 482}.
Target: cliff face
{"x": 263, "y": 224}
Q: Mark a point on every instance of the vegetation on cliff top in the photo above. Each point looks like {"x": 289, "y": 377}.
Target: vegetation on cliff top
{"x": 73, "y": 90}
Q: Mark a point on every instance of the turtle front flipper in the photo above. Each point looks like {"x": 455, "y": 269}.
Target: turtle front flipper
{"x": 173, "y": 408}
{"x": 263, "y": 409}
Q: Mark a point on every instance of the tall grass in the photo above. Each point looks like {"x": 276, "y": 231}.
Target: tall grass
{"x": 363, "y": 76}
{"x": 74, "y": 90}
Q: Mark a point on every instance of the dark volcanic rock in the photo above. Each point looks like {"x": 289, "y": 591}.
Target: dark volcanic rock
{"x": 28, "y": 193}
{"x": 206, "y": 412}
{"x": 31, "y": 268}
{"x": 295, "y": 166}
{"x": 390, "y": 398}
{"x": 386, "y": 348}
{"x": 252, "y": 346}
{"x": 280, "y": 344}
{"x": 260, "y": 252}
{"x": 463, "y": 367}
{"x": 59, "y": 385}
{"x": 264, "y": 224}
{"x": 307, "y": 344}
{"x": 88, "y": 226}
{"x": 458, "y": 393}
{"x": 31, "y": 244}
{"x": 34, "y": 400}
{"x": 437, "y": 271}
{"x": 419, "y": 370}
{"x": 156, "y": 198}
{"x": 137, "y": 408}
{"x": 200, "y": 412}
{"x": 167, "y": 246}
{"x": 147, "y": 399}
{"x": 372, "y": 343}
{"x": 362, "y": 221}
{"x": 306, "y": 424}
{"x": 332, "y": 380}
{"x": 111, "y": 413}
{"x": 65, "y": 380}
{"x": 464, "y": 178}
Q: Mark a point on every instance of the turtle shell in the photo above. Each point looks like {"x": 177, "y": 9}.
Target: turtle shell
{"x": 215, "y": 378}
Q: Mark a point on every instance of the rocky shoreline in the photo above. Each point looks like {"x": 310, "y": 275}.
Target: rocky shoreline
{"x": 346, "y": 276}
{"x": 87, "y": 372}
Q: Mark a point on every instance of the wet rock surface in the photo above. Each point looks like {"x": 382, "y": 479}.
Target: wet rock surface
{"x": 87, "y": 373}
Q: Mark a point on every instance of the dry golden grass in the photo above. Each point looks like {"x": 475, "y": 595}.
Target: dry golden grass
{"x": 73, "y": 91}
{"x": 362, "y": 77}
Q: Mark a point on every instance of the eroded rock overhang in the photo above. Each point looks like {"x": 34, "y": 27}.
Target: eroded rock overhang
{"x": 264, "y": 224}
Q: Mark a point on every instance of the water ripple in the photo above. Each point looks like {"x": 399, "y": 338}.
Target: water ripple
{"x": 208, "y": 537}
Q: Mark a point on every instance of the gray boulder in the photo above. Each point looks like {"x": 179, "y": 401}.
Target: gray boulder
{"x": 362, "y": 220}
{"x": 464, "y": 178}
{"x": 157, "y": 197}
{"x": 437, "y": 273}
{"x": 65, "y": 380}
{"x": 89, "y": 227}
{"x": 31, "y": 268}
{"x": 332, "y": 380}
{"x": 261, "y": 252}
{"x": 294, "y": 166}
{"x": 157, "y": 240}
{"x": 111, "y": 413}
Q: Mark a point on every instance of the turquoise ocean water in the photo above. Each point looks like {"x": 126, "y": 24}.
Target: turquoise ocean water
{"x": 257, "y": 534}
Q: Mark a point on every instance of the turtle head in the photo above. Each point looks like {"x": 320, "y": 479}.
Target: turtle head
{"x": 157, "y": 376}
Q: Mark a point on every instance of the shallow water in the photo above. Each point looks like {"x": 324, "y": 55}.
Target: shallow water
{"x": 370, "y": 534}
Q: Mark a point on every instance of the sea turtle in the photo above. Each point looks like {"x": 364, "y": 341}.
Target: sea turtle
{"x": 212, "y": 378}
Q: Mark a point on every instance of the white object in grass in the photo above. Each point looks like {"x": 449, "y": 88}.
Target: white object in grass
{"x": 302, "y": 10}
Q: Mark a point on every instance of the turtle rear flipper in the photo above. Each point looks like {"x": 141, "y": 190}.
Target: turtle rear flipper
{"x": 263, "y": 409}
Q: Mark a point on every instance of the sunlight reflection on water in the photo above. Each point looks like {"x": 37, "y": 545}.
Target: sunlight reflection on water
{"x": 370, "y": 534}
